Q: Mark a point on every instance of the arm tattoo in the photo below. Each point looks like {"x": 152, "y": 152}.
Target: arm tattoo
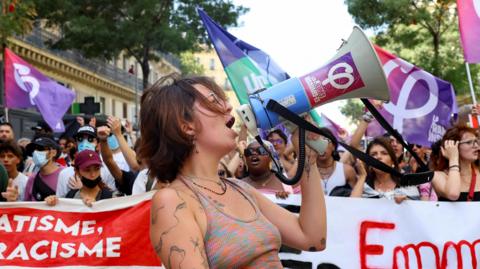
{"x": 175, "y": 249}
{"x": 182, "y": 205}
{"x": 155, "y": 214}
{"x": 201, "y": 250}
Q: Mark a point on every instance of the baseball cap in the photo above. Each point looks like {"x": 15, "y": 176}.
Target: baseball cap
{"x": 87, "y": 158}
{"x": 42, "y": 141}
{"x": 42, "y": 126}
{"x": 87, "y": 129}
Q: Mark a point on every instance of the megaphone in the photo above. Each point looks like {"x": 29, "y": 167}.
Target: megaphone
{"x": 354, "y": 72}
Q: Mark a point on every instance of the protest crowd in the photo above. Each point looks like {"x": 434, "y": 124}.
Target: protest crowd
{"x": 218, "y": 190}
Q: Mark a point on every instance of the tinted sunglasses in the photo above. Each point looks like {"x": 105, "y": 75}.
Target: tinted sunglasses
{"x": 89, "y": 138}
{"x": 260, "y": 151}
{"x": 276, "y": 141}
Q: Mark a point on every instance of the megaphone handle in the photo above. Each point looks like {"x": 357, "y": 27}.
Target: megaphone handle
{"x": 301, "y": 162}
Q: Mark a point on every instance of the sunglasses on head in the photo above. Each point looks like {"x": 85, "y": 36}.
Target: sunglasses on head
{"x": 250, "y": 151}
{"x": 89, "y": 138}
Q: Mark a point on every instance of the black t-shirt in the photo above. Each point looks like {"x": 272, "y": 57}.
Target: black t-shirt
{"x": 128, "y": 178}
{"x": 102, "y": 194}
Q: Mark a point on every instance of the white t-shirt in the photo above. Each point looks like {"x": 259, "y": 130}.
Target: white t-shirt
{"x": 140, "y": 184}
{"x": 121, "y": 162}
{"x": 20, "y": 181}
{"x": 68, "y": 172}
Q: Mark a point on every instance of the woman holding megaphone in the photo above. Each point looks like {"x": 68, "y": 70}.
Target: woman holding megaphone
{"x": 201, "y": 220}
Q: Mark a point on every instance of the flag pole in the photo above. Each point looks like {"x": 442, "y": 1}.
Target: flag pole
{"x": 472, "y": 92}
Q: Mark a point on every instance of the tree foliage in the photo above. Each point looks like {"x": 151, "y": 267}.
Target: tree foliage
{"x": 353, "y": 110}
{"x": 16, "y": 18}
{"x": 423, "y": 32}
{"x": 190, "y": 64}
{"x": 138, "y": 27}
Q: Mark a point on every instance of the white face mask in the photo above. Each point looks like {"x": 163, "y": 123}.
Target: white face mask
{"x": 40, "y": 158}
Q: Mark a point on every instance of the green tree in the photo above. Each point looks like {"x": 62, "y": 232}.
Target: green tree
{"x": 16, "y": 18}
{"x": 423, "y": 32}
{"x": 139, "y": 28}
{"x": 353, "y": 110}
{"x": 190, "y": 64}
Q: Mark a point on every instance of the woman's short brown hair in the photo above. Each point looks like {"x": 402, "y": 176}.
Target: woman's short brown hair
{"x": 454, "y": 133}
{"x": 165, "y": 107}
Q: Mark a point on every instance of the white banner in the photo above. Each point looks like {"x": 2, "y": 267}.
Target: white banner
{"x": 374, "y": 233}
{"x": 362, "y": 233}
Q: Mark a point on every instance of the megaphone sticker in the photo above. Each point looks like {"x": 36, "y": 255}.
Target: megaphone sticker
{"x": 332, "y": 80}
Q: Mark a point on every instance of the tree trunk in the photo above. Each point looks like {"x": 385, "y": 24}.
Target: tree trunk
{"x": 145, "y": 67}
{"x": 436, "y": 54}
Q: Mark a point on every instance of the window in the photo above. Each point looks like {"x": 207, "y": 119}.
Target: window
{"x": 212, "y": 64}
{"x": 102, "y": 105}
{"x": 124, "y": 62}
{"x": 125, "y": 111}
{"x": 113, "y": 108}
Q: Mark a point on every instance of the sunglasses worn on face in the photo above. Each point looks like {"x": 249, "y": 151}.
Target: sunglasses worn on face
{"x": 89, "y": 138}
{"x": 470, "y": 142}
{"x": 259, "y": 151}
{"x": 276, "y": 141}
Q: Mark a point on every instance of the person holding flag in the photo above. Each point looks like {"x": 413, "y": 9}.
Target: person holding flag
{"x": 200, "y": 219}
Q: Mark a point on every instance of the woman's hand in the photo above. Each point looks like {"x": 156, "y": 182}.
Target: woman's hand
{"x": 11, "y": 193}
{"x": 450, "y": 150}
{"x": 282, "y": 194}
{"x": 88, "y": 201}
{"x": 51, "y": 200}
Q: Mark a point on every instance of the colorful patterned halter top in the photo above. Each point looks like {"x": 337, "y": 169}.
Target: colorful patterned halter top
{"x": 234, "y": 243}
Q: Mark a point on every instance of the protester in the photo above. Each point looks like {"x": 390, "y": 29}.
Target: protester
{"x": 124, "y": 180}
{"x": 280, "y": 141}
{"x": 11, "y": 157}
{"x": 259, "y": 174}
{"x": 375, "y": 183}
{"x": 67, "y": 144}
{"x": 43, "y": 183}
{"x": 186, "y": 130}
{"x": 6, "y": 132}
{"x": 87, "y": 168}
{"x": 457, "y": 172}
{"x": 42, "y": 129}
{"x": 338, "y": 178}
{"x": 123, "y": 155}
{"x": 86, "y": 138}
{"x": 9, "y": 192}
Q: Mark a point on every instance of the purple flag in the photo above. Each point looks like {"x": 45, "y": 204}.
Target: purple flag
{"x": 337, "y": 130}
{"x": 420, "y": 106}
{"x": 26, "y": 87}
{"x": 469, "y": 24}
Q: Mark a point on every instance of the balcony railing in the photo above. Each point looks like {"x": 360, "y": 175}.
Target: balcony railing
{"x": 41, "y": 38}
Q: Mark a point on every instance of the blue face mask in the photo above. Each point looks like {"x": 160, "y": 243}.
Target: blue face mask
{"x": 85, "y": 145}
{"x": 40, "y": 158}
{"x": 113, "y": 142}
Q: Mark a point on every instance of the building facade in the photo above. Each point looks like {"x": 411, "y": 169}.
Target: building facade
{"x": 115, "y": 84}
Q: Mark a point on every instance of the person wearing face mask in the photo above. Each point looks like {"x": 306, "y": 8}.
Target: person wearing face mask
{"x": 43, "y": 183}
{"x": 114, "y": 139}
{"x": 86, "y": 138}
{"x": 87, "y": 168}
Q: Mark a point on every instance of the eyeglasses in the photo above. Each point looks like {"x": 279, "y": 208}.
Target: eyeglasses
{"x": 221, "y": 173}
{"x": 259, "y": 151}
{"x": 216, "y": 99}
{"x": 89, "y": 138}
{"x": 470, "y": 142}
{"x": 276, "y": 141}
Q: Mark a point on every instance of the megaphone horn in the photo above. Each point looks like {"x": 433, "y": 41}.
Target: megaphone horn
{"x": 354, "y": 72}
